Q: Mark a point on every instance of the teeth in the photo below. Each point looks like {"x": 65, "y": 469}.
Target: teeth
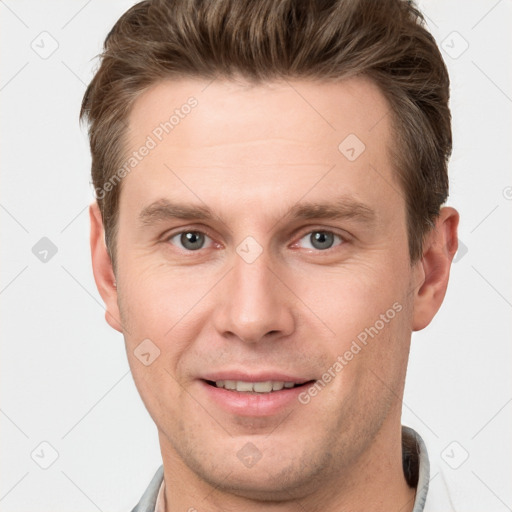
{"x": 244, "y": 386}
{"x": 256, "y": 387}
{"x": 262, "y": 387}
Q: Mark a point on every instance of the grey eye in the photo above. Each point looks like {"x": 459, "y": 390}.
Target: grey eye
{"x": 190, "y": 240}
{"x": 320, "y": 240}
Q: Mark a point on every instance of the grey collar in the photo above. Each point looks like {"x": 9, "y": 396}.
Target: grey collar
{"x": 417, "y": 461}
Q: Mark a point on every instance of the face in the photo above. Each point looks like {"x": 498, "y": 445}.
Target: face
{"x": 262, "y": 254}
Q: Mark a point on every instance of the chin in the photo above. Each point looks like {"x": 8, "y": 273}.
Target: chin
{"x": 263, "y": 486}
{"x": 273, "y": 478}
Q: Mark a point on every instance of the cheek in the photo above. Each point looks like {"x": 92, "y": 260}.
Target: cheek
{"x": 156, "y": 310}
{"x": 367, "y": 365}
{"x": 145, "y": 314}
{"x": 364, "y": 311}
{"x": 154, "y": 299}
{"x": 353, "y": 297}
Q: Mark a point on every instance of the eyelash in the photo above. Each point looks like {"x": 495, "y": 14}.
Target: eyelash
{"x": 201, "y": 231}
{"x": 325, "y": 231}
{"x": 342, "y": 239}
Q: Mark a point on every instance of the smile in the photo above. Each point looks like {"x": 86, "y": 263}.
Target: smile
{"x": 253, "y": 387}
{"x": 254, "y": 394}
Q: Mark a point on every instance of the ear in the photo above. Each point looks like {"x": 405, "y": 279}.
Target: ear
{"x": 102, "y": 269}
{"x": 433, "y": 270}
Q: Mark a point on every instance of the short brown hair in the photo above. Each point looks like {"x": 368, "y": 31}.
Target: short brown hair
{"x": 264, "y": 40}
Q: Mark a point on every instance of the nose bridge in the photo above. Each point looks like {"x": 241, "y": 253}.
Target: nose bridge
{"x": 255, "y": 304}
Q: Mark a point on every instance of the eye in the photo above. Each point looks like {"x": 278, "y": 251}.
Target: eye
{"x": 190, "y": 240}
{"x": 320, "y": 240}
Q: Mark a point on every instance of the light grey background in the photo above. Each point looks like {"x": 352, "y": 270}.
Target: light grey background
{"x": 64, "y": 374}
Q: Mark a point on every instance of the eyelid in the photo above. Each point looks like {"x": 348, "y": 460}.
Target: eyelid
{"x": 336, "y": 243}
{"x": 197, "y": 228}
{"x": 302, "y": 232}
{"x": 171, "y": 233}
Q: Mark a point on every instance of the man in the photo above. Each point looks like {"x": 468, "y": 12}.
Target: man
{"x": 268, "y": 233}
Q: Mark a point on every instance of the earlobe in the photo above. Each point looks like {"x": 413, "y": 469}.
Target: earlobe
{"x": 433, "y": 270}
{"x": 102, "y": 269}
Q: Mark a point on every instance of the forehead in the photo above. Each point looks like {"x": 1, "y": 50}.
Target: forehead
{"x": 252, "y": 140}
{"x": 236, "y": 111}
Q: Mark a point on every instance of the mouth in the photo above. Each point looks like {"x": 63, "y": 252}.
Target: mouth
{"x": 262, "y": 387}
{"x": 258, "y": 394}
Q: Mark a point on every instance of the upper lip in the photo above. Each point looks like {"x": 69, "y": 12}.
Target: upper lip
{"x": 254, "y": 377}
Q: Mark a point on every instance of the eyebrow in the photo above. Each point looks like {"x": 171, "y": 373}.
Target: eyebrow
{"x": 163, "y": 209}
{"x": 344, "y": 207}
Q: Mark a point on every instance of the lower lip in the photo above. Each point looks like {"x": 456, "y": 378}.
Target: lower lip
{"x": 253, "y": 404}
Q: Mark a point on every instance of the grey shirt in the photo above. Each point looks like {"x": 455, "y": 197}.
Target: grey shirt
{"x": 415, "y": 463}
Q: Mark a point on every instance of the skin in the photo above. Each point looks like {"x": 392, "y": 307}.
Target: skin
{"x": 250, "y": 154}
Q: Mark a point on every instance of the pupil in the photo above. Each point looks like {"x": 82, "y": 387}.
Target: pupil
{"x": 192, "y": 240}
{"x": 322, "y": 240}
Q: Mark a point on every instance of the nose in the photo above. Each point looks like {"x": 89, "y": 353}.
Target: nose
{"x": 254, "y": 305}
